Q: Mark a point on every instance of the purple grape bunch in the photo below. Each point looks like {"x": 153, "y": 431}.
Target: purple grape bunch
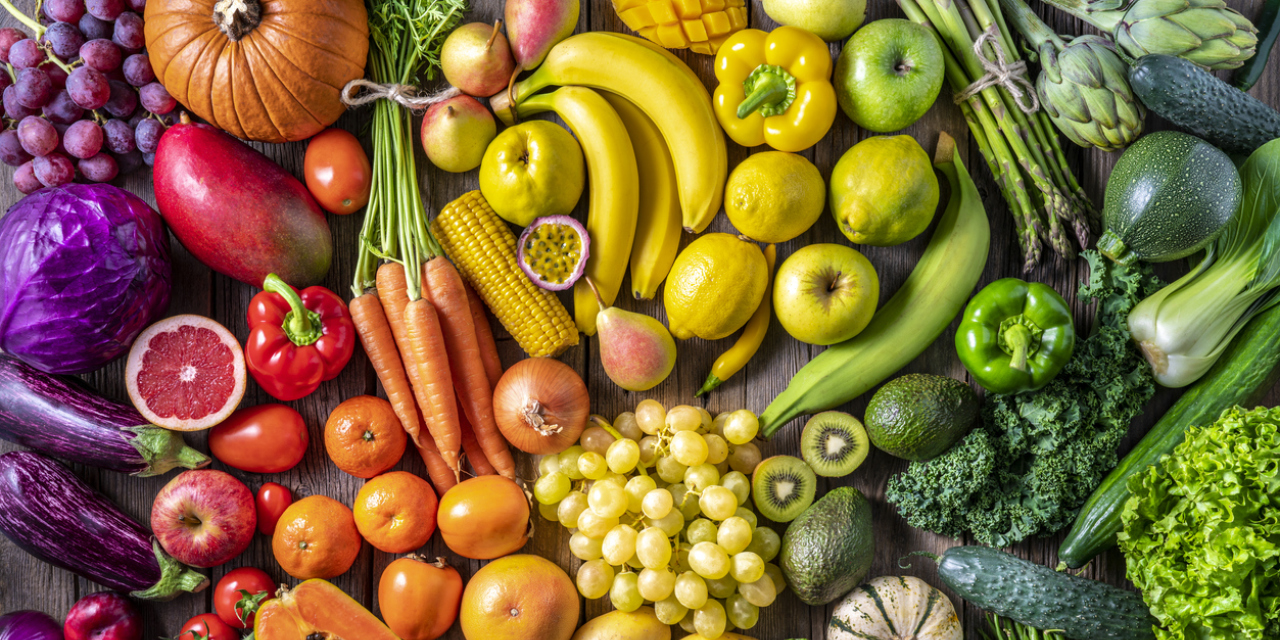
{"x": 80, "y": 97}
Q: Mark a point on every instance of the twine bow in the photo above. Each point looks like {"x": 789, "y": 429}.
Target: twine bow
{"x": 360, "y": 92}
{"x": 1013, "y": 77}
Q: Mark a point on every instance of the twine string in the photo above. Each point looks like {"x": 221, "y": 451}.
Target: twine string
{"x": 361, "y": 92}
{"x": 1013, "y": 77}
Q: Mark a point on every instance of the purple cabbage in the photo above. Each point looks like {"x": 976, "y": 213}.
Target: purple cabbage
{"x": 84, "y": 268}
{"x": 29, "y": 625}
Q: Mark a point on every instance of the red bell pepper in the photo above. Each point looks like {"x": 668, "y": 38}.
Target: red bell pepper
{"x": 297, "y": 339}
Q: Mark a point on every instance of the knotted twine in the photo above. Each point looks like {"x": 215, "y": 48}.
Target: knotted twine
{"x": 360, "y": 92}
{"x": 1013, "y": 77}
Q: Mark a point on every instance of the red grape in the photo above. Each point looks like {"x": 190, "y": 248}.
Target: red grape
{"x": 34, "y": 89}
{"x": 149, "y": 159}
{"x": 37, "y": 135}
{"x": 129, "y": 162}
{"x": 11, "y": 151}
{"x": 99, "y": 168}
{"x": 25, "y": 53}
{"x": 64, "y": 39}
{"x": 14, "y": 109}
{"x": 25, "y": 177}
{"x": 137, "y": 70}
{"x": 64, "y": 10}
{"x": 123, "y": 100}
{"x": 139, "y": 6}
{"x": 56, "y": 75}
{"x": 95, "y": 29}
{"x": 147, "y": 135}
{"x": 156, "y": 99}
{"x": 6, "y": 80}
{"x": 88, "y": 87}
{"x": 62, "y": 110}
{"x": 118, "y": 136}
{"x": 8, "y": 36}
{"x": 105, "y": 9}
{"x": 102, "y": 55}
{"x": 128, "y": 31}
{"x": 62, "y": 136}
{"x": 54, "y": 170}
{"x": 83, "y": 139}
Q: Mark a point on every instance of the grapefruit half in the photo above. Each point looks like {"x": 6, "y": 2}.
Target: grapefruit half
{"x": 185, "y": 373}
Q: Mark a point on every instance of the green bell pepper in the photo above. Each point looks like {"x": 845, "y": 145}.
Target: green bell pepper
{"x": 1015, "y": 336}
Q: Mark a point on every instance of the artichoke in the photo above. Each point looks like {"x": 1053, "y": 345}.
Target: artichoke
{"x": 1083, "y": 84}
{"x": 1206, "y": 32}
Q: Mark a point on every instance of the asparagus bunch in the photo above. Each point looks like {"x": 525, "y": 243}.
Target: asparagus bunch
{"x": 1021, "y": 149}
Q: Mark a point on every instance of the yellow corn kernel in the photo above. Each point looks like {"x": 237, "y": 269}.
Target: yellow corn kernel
{"x": 483, "y": 248}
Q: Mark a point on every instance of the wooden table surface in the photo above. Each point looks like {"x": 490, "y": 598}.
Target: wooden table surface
{"x": 27, "y": 583}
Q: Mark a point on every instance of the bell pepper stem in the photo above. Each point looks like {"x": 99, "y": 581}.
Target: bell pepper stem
{"x": 769, "y": 89}
{"x": 1018, "y": 337}
{"x": 301, "y": 324}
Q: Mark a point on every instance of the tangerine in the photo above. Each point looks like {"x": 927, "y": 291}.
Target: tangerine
{"x": 520, "y": 597}
{"x": 484, "y": 518}
{"x": 364, "y": 437}
{"x": 316, "y": 537}
{"x": 396, "y": 512}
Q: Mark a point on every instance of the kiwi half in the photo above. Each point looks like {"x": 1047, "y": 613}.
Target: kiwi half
{"x": 834, "y": 443}
{"x": 783, "y": 487}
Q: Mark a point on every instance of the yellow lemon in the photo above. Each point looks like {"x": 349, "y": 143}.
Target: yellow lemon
{"x": 883, "y": 191}
{"x": 714, "y": 286}
{"x": 774, "y": 196}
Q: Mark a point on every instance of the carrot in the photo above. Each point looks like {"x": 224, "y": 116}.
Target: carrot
{"x": 441, "y": 475}
{"x": 392, "y": 292}
{"x": 380, "y": 345}
{"x": 484, "y": 334}
{"x": 470, "y": 381}
{"x": 471, "y": 447}
{"x": 426, "y": 339}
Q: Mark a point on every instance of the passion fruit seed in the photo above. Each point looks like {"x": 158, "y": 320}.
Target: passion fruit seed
{"x": 553, "y": 252}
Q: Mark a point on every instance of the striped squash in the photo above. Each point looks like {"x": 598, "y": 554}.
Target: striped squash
{"x": 895, "y": 608}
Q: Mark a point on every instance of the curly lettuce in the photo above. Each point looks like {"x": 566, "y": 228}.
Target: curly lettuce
{"x": 1201, "y": 534}
{"x": 1038, "y": 456}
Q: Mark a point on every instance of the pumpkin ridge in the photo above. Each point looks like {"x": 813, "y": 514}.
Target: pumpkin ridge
{"x": 204, "y": 42}
{"x": 230, "y": 56}
{"x": 928, "y": 610}
{"x": 843, "y": 626}
{"x": 888, "y": 621}
{"x": 272, "y": 31}
{"x": 268, "y": 38}
{"x": 279, "y": 17}
{"x": 267, "y": 66}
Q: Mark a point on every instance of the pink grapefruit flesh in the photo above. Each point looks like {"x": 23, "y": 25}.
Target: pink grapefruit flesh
{"x": 186, "y": 373}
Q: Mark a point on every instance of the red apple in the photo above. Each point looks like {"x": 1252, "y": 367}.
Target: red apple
{"x": 204, "y": 517}
{"x": 105, "y": 615}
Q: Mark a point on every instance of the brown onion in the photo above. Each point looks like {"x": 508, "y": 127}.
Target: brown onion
{"x": 541, "y": 405}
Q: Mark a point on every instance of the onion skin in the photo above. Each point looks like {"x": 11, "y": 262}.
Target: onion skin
{"x": 541, "y": 406}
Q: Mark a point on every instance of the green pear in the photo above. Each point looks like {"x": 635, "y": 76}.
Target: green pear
{"x": 637, "y": 351}
{"x": 830, "y": 20}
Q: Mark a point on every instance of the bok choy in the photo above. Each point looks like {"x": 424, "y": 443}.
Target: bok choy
{"x": 1185, "y": 327}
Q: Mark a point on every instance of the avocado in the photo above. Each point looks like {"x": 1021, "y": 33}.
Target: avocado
{"x": 828, "y": 549}
{"x": 918, "y": 416}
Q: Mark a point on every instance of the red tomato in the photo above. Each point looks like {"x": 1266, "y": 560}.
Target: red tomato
{"x": 273, "y": 499}
{"x": 240, "y": 593}
{"x": 269, "y": 438}
{"x": 338, "y": 172}
{"x": 207, "y": 626}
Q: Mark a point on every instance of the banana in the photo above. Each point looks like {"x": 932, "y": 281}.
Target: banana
{"x": 664, "y": 88}
{"x": 658, "y": 228}
{"x": 615, "y": 191}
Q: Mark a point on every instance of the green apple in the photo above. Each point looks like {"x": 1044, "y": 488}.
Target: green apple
{"x": 889, "y": 74}
{"x": 531, "y": 170}
{"x": 830, "y": 20}
{"x": 825, "y": 293}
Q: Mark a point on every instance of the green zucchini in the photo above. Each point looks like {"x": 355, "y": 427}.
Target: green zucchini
{"x": 1197, "y": 102}
{"x": 1244, "y": 374}
{"x": 1268, "y": 24}
{"x": 1040, "y": 597}
{"x": 1169, "y": 196}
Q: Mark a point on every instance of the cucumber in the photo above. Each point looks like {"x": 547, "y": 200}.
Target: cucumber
{"x": 1247, "y": 370}
{"x": 1195, "y": 101}
{"x": 1040, "y": 597}
{"x": 1169, "y": 196}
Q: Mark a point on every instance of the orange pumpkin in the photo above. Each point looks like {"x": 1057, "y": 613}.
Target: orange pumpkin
{"x": 268, "y": 70}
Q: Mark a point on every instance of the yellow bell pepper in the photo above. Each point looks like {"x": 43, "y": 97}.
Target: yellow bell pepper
{"x": 775, "y": 88}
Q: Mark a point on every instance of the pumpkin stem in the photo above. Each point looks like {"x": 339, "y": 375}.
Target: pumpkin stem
{"x": 237, "y": 18}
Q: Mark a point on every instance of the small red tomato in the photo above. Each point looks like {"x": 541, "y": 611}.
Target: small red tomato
{"x": 269, "y": 438}
{"x": 240, "y": 593}
{"x": 338, "y": 172}
{"x": 273, "y": 499}
{"x": 207, "y": 626}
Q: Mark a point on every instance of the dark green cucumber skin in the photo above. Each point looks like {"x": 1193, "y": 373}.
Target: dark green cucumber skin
{"x": 1040, "y": 597}
{"x": 1268, "y": 24}
{"x": 1169, "y": 196}
{"x": 1197, "y": 102}
{"x": 1247, "y": 370}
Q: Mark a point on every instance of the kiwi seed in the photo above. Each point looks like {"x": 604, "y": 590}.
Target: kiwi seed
{"x": 834, "y": 443}
{"x": 783, "y": 487}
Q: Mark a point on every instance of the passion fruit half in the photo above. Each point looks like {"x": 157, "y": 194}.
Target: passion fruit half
{"x": 553, "y": 252}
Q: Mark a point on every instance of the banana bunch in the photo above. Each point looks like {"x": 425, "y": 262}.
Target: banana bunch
{"x": 656, "y": 157}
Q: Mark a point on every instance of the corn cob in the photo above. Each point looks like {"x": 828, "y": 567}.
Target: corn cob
{"x": 483, "y": 248}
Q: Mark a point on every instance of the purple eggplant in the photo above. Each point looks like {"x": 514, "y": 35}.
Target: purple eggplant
{"x": 61, "y": 417}
{"x": 51, "y": 514}
{"x": 29, "y": 625}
